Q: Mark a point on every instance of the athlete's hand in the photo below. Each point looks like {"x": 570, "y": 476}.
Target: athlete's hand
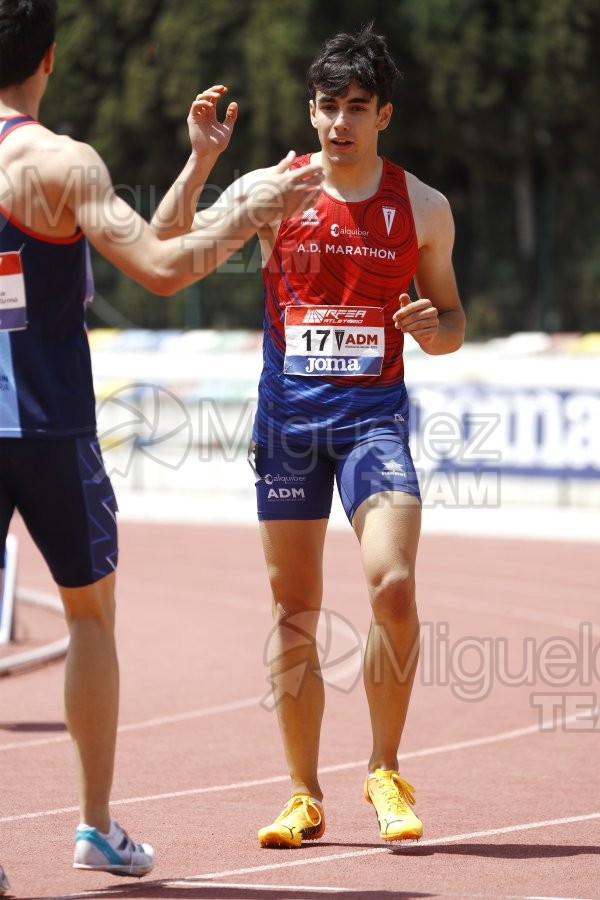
{"x": 280, "y": 192}
{"x": 208, "y": 136}
{"x": 419, "y": 319}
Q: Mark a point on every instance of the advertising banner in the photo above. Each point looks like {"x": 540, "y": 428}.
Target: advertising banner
{"x": 517, "y": 430}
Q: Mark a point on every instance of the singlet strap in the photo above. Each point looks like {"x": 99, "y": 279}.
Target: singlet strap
{"x": 9, "y": 125}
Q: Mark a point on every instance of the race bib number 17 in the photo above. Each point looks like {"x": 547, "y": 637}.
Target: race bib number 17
{"x": 334, "y": 340}
{"x": 13, "y": 304}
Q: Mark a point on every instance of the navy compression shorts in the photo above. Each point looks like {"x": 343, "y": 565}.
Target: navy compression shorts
{"x": 65, "y": 498}
{"x": 297, "y": 482}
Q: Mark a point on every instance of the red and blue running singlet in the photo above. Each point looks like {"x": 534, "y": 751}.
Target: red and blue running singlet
{"x": 333, "y": 366}
{"x": 46, "y": 387}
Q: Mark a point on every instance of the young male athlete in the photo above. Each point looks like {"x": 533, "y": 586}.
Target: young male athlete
{"x": 333, "y": 405}
{"x": 55, "y": 193}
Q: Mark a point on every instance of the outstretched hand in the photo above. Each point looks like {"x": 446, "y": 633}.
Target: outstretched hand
{"x": 207, "y": 134}
{"x": 280, "y": 192}
{"x": 419, "y": 319}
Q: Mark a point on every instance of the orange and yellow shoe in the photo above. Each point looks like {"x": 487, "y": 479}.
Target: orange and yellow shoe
{"x": 393, "y": 798}
{"x": 301, "y": 817}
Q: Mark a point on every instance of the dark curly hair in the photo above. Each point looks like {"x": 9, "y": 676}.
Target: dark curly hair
{"x": 362, "y": 57}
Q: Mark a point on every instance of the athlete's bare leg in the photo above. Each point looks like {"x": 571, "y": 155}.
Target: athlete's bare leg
{"x": 294, "y": 556}
{"x": 92, "y": 693}
{"x": 4, "y": 885}
{"x": 388, "y": 526}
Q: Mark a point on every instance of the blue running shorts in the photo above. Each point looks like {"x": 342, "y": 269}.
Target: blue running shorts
{"x": 297, "y": 482}
{"x": 65, "y": 498}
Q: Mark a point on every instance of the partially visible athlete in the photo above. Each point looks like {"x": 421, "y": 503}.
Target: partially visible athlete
{"x": 333, "y": 406}
{"x": 54, "y": 194}
{"x": 4, "y": 883}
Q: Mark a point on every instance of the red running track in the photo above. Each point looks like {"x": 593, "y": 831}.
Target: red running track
{"x": 502, "y": 740}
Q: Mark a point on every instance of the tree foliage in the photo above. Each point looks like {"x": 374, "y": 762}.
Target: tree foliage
{"x": 497, "y": 109}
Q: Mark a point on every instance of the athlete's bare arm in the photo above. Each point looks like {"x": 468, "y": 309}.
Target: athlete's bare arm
{"x": 176, "y": 213}
{"x": 208, "y": 139}
{"x": 436, "y": 320}
{"x": 257, "y": 185}
{"x": 127, "y": 241}
{"x": 54, "y": 185}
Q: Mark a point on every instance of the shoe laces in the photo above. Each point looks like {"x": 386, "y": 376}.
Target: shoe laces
{"x": 309, "y": 807}
{"x": 397, "y": 792}
{"x": 126, "y": 843}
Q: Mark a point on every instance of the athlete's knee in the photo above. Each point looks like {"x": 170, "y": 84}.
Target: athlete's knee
{"x": 393, "y": 595}
{"x": 295, "y": 593}
{"x": 92, "y": 603}
{"x": 294, "y": 632}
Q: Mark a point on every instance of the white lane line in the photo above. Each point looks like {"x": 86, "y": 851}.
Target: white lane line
{"x": 504, "y": 610}
{"x": 449, "y": 839}
{"x": 338, "y": 767}
{"x": 510, "y": 611}
{"x": 196, "y": 882}
{"x": 352, "y": 667}
{"x": 247, "y": 703}
{"x": 36, "y": 742}
{"x": 233, "y": 706}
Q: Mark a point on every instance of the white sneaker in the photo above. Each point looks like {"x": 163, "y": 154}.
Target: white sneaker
{"x": 114, "y": 852}
{"x": 4, "y": 885}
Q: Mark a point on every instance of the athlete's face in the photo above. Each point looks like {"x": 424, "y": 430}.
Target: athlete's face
{"x": 348, "y": 126}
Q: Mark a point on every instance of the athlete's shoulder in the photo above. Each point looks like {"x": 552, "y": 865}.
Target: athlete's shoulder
{"x": 431, "y": 209}
{"x": 48, "y": 151}
{"x": 423, "y": 193}
{"x": 73, "y": 151}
